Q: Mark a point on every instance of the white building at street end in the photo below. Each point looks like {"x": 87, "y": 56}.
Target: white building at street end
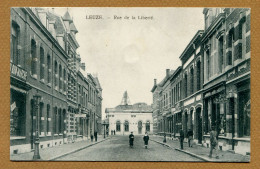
{"x": 126, "y": 118}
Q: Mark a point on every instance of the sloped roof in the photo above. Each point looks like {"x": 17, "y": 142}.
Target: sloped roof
{"x": 73, "y": 27}
{"x": 67, "y": 17}
{"x": 59, "y": 26}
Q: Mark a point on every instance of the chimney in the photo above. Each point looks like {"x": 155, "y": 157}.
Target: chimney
{"x": 83, "y": 66}
{"x": 155, "y": 82}
{"x": 43, "y": 16}
{"x": 167, "y": 72}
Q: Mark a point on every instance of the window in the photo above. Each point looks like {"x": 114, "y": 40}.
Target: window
{"x": 49, "y": 69}
{"x": 60, "y": 77}
{"x": 198, "y": 75}
{"x": 42, "y": 65}
{"x": 191, "y": 80}
{"x": 48, "y": 119}
{"x": 147, "y": 126}
{"x": 34, "y": 58}
{"x": 244, "y": 113}
{"x": 14, "y": 44}
{"x": 220, "y": 53}
{"x": 55, "y": 120}
{"x": 118, "y": 126}
{"x": 60, "y": 121}
{"x": 64, "y": 79}
{"x": 41, "y": 118}
{"x": 126, "y": 126}
{"x": 208, "y": 64}
{"x": 55, "y": 73}
{"x": 186, "y": 85}
{"x": 230, "y": 45}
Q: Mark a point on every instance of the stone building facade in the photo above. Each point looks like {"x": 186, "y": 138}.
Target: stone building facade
{"x": 126, "y": 118}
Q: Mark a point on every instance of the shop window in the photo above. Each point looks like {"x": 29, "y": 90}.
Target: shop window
{"x": 126, "y": 126}
{"x": 118, "y": 126}
{"x": 42, "y": 63}
{"x": 244, "y": 113}
{"x": 147, "y": 126}
{"x": 14, "y": 44}
{"x": 34, "y": 58}
{"x": 17, "y": 114}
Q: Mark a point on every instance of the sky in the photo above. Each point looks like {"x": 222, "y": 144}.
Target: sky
{"x": 128, "y": 54}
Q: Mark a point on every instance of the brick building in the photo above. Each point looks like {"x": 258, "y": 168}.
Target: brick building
{"x": 215, "y": 80}
{"x": 44, "y": 61}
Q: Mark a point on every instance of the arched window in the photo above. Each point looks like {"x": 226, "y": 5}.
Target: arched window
{"x": 147, "y": 126}
{"x": 34, "y": 58}
{"x": 118, "y": 126}
{"x": 42, "y": 65}
{"x": 126, "y": 126}
{"x": 49, "y": 68}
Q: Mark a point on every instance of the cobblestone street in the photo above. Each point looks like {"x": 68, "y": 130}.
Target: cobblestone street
{"x": 117, "y": 149}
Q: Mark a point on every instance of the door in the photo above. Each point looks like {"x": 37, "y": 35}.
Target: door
{"x": 140, "y": 127}
{"x": 199, "y": 120}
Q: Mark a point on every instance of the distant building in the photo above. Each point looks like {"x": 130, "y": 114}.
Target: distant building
{"x": 126, "y": 118}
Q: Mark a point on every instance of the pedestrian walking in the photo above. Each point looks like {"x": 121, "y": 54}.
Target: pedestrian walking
{"x": 111, "y": 132}
{"x": 91, "y": 137}
{"x": 181, "y": 138}
{"x": 95, "y": 135}
{"x": 131, "y": 140}
{"x": 213, "y": 142}
{"x": 190, "y": 137}
{"x": 114, "y": 132}
{"x": 146, "y": 139}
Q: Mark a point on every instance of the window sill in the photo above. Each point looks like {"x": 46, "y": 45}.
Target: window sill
{"x": 17, "y": 137}
{"x": 56, "y": 134}
{"x": 34, "y": 76}
{"x": 42, "y": 81}
{"x": 246, "y": 139}
{"x": 60, "y": 134}
{"x": 49, "y": 85}
{"x": 41, "y": 135}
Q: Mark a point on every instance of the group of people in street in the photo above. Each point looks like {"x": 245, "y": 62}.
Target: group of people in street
{"x": 113, "y": 132}
{"x": 145, "y": 138}
{"x": 213, "y": 140}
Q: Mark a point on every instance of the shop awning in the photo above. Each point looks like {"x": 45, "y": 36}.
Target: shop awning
{"x": 18, "y": 89}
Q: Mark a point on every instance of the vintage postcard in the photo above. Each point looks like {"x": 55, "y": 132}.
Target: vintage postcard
{"x": 130, "y": 84}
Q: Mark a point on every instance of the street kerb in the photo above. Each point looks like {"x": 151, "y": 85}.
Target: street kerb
{"x": 73, "y": 151}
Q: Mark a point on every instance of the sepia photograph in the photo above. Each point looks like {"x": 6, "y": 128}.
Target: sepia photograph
{"x": 166, "y": 84}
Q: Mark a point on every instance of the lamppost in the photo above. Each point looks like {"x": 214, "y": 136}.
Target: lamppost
{"x": 36, "y": 155}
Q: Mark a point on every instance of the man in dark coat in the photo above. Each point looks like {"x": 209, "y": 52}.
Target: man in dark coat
{"x": 131, "y": 140}
{"x": 190, "y": 137}
{"x": 95, "y": 135}
{"x": 181, "y": 138}
{"x": 146, "y": 139}
{"x": 213, "y": 142}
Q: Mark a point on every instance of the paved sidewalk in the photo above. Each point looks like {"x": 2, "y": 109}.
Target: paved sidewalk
{"x": 52, "y": 153}
{"x": 201, "y": 152}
